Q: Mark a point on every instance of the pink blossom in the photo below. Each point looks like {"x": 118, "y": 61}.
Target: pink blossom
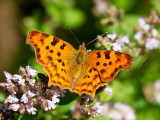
{"x": 141, "y": 22}
{"x": 138, "y": 36}
{"x": 30, "y": 94}
{"x": 32, "y": 82}
{"x": 31, "y": 110}
{"x": 31, "y": 71}
{"x": 112, "y": 36}
{"x": 157, "y": 85}
{"x": 12, "y": 99}
{"x": 109, "y": 91}
{"x": 54, "y": 98}
{"x": 152, "y": 43}
{"x": 116, "y": 47}
{"x": 154, "y": 32}
{"x": 14, "y": 107}
{"x": 51, "y": 105}
{"x": 24, "y": 98}
{"x": 99, "y": 109}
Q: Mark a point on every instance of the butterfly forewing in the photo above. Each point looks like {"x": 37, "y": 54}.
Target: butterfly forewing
{"x": 54, "y": 54}
{"x": 48, "y": 47}
{"x": 108, "y": 63}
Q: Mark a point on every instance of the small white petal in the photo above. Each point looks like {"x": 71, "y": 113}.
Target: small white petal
{"x": 51, "y": 105}
{"x": 157, "y": 96}
{"x": 32, "y": 81}
{"x": 21, "y": 82}
{"x": 109, "y": 91}
{"x": 138, "y": 36}
{"x": 157, "y": 85}
{"x": 152, "y": 43}
{"x": 146, "y": 27}
{"x": 8, "y": 75}
{"x": 115, "y": 115}
{"x": 31, "y": 71}
{"x": 14, "y": 107}
{"x": 31, "y": 110}
{"x": 99, "y": 109}
{"x": 12, "y": 99}
{"x": 17, "y": 77}
{"x": 30, "y": 94}
{"x": 141, "y": 22}
{"x": 116, "y": 47}
{"x": 154, "y": 32}
{"x": 24, "y": 98}
{"x": 112, "y": 36}
{"x": 55, "y": 99}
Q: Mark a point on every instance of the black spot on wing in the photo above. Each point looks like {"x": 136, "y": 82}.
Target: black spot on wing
{"x": 62, "y": 46}
{"x": 45, "y": 35}
{"x": 98, "y": 55}
{"x": 98, "y": 63}
{"x": 105, "y": 64}
{"x": 107, "y": 53}
{"x": 58, "y": 54}
{"x": 55, "y": 41}
{"x": 47, "y": 47}
{"x": 51, "y": 51}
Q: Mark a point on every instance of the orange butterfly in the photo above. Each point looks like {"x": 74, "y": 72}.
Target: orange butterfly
{"x": 76, "y": 70}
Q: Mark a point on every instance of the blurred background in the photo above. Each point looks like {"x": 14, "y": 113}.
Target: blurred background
{"x": 87, "y": 19}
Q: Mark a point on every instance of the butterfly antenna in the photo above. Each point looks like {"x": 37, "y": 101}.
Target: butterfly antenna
{"x": 73, "y": 34}
{"x": 96, "y": 39}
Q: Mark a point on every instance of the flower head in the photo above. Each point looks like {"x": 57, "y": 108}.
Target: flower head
{"x": 152, "y": 43}
{"x": 99, "y": 109}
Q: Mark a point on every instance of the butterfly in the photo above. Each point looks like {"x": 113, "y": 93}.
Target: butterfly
{"x": 77, "y": 70}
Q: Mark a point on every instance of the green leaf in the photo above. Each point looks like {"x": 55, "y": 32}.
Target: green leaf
{"x": 69, "y": 97}
{"x": 73, "y": 17}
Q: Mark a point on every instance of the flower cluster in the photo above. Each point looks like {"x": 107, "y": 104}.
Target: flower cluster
{"x": 152, "y": 92}
{"x": 147, "y": 35}
{"x": 93, "y": 110}
{"x": 96, "y": 109}
{"x": 119, "y": 111}
{"x": 114, "y": 42}
{"x": 27, "y": 92}
{"x": 109, "y": 13}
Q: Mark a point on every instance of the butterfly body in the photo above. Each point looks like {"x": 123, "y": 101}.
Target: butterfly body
{"x": 76, "y": 70}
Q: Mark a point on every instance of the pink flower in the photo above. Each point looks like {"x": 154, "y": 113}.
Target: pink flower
{"x": 157, "y": 85}
{"x": 31, "y": 71}
{"x": 51, "y": 105}
{"x": 109, "y": 91}
{"x": 31, "y": 110}
{"x": 14, "y": 107}
{"x": 112, "y": 36}
{"x": 116, "y": 47}
{"x": 55, "y": 99}
{"x": 12, "y": 99}
{"x": 21, "y": 82}
{"x": 143, "y": 25}
{"x": 154, "y": 32}
{"x": 141, "y": 22}
{"x": 32, "y": 82}
{"x": 30, "y": 94}
{"x": 138, "y": 36}
{"x": 99, "y": 109}
{"x": 24, "y": 98}
{"x": 152, "y": 43}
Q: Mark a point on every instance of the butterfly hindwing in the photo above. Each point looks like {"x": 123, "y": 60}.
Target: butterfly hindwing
{"x": 89, "y": 83}
{"x": 108, "y": 63}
